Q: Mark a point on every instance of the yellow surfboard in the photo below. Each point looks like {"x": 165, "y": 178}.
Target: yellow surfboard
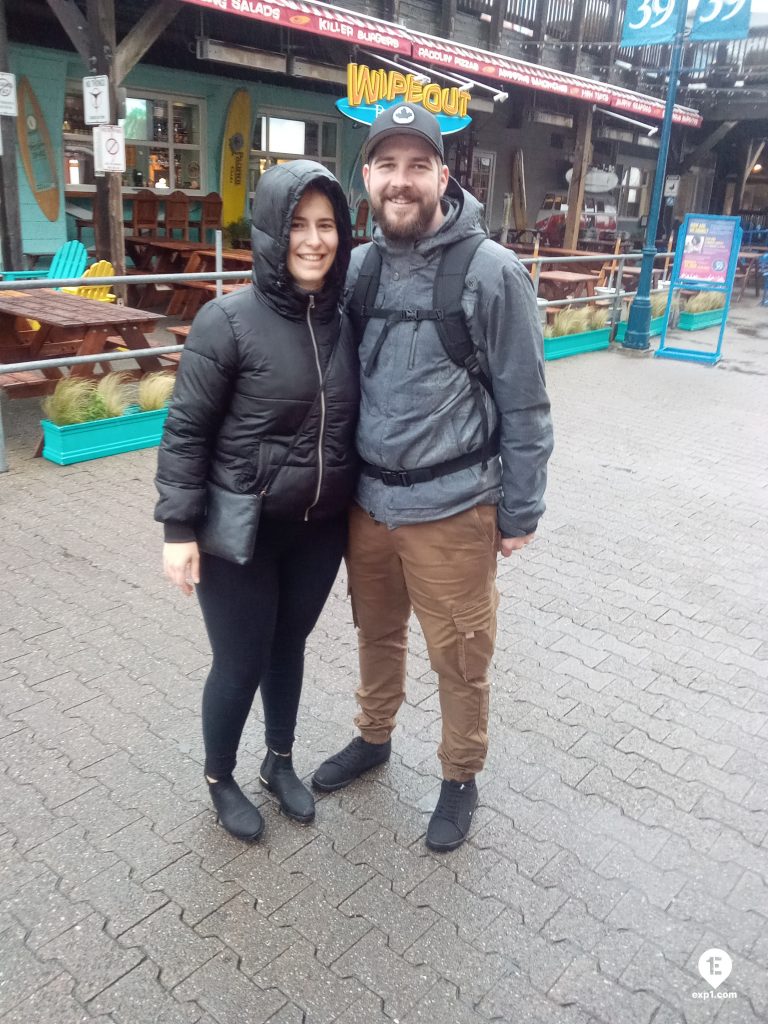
{"x": 37, "y": 152}
{"x": 235, "y": 151}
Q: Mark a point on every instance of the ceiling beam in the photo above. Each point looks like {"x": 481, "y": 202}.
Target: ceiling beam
{"x": 143, "y": 34}
{"x": 706, "y": 146}
{"x": 75, "y": 24}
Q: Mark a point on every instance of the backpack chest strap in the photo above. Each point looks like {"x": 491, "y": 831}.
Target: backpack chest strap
{"x": 390, "y": 318}
{"x": 396, "y": 315}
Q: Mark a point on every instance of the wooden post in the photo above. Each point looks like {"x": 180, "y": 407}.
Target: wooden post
{"x": 108, "y": 202}
{"x": 581, "y": 160}
{"x": 448, "y": 19}
{"x": 578, "y": 21}
{"x": 496, "y": 27}
{"x": 10, "y": 219}
{"x": 753, "y": 155}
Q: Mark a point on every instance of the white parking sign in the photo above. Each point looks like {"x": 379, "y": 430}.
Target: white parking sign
{"x": 8, "y": 104}
{"x": 108, "y": 148}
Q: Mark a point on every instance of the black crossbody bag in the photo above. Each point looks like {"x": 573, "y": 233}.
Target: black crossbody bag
{"x": 231, "y": 521}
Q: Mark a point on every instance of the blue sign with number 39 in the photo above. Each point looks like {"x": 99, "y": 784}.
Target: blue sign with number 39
{"x": 650, "y": 21}
{"x": 721, "y": 19}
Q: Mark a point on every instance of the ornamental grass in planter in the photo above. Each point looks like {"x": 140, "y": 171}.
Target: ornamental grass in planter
{"x": 581, "y": 329}
{"x": 658, "y": 309}
{"x": 87, "y": 420}
{"x": 704, "y": 309}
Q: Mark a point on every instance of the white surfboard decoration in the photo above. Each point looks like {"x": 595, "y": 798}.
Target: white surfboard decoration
{"x": 596, "y": 179}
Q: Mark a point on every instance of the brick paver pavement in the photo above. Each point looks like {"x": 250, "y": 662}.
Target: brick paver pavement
{"x": 624, "y": 811}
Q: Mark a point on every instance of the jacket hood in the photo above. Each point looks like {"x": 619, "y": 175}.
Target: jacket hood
{"x": 463, "y": 217}
{"x": 278, "y": 192}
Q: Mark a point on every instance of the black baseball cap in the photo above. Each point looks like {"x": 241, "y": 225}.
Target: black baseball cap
{"x": 406, "y": 119}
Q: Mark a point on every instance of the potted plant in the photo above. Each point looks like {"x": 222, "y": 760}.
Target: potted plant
{"x": 88, "y": 420}
{"x": 581, "y": 329}
{"x": 237, "y": 234}
{"x": 658, "y": 309}
{"x": 704, "y": 309}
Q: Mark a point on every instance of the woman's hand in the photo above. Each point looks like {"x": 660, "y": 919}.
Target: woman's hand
{"x": 181, "y": 564}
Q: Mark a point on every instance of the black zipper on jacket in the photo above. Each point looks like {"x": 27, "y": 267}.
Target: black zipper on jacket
{"x": 310, "y": 307}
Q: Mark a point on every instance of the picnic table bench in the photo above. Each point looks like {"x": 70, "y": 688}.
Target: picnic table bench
{"x": 46, "y": 324}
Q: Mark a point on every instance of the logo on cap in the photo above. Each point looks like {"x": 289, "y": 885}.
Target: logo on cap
{"x": 403, "y": 115}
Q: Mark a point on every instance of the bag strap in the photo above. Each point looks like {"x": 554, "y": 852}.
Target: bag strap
{"x": 361, "y": 304}
{"x": 446, "y": 296}
{"x": 271, "y": 478}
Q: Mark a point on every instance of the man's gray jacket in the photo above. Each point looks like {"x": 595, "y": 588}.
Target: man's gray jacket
{"x": 417, "y": 408}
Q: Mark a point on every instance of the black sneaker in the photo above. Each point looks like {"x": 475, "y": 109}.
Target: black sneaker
{"x": 357, "y": 757}
{"x": 450, "y": 821}
{"x": 235, "y": 811}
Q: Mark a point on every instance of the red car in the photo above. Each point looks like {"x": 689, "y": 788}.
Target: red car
{"x": 598, "y": 219}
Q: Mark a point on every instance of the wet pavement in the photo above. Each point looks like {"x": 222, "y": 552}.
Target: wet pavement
{"x": 623, "y": 815}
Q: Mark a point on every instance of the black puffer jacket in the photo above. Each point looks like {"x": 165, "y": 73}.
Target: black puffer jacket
{"x": 251, "y": 369}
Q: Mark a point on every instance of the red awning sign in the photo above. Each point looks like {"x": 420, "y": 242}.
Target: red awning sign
{"x": 319, "y": 19}
{"x": 356, "y": 29}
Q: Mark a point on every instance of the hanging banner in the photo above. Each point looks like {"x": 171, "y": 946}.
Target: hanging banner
{"x": 721, "y": 19}
{"x": 647, "y": 22}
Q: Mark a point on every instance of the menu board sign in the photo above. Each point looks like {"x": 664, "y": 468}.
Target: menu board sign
{"x": 707, "y": 248}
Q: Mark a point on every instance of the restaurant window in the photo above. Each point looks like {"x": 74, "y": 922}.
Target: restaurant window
{"x": 277, "y": 139}
{"x": 163, "y": 142}
{"x": 632, "y": 192}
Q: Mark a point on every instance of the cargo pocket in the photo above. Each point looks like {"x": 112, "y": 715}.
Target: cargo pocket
{"x": 476, "y": 629}
{"x": 355, "y": 623}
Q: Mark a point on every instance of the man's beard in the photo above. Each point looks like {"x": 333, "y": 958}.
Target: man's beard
{"x": 412, "y": 227}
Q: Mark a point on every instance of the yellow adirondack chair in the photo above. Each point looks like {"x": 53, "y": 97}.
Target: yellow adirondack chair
{"x": 100, "y": 292}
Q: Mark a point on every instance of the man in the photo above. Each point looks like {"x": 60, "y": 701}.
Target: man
{"x": 435, "y": 503}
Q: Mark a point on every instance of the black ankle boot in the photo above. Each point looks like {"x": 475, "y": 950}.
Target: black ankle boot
{"x": 235, "y": 811}
{"x": 277, "y": 775}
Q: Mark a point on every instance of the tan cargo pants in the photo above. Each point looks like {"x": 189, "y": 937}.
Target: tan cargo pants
{"x": 446, "y": 571}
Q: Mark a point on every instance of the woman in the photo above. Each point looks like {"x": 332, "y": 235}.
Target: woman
{"x": 267, "y": 395}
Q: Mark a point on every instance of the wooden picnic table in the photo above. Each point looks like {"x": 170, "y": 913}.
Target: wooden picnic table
{"x": 48, "y": 324}
{"x": 564, "y": 284}
{"x": 190, "y": 295}
{"x": 155, "y": 255}
{"x": 630, "y": 277}
{"x": 747, "y": 272}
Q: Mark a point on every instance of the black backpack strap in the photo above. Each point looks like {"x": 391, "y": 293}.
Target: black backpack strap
{"x": 446, "y": 297}
{"x": 453, "y": 328}
{"x": 362, "y": 305}
{"x": 363, "y": 300}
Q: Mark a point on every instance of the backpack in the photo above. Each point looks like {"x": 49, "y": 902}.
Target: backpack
{"x": 447, "y": 312}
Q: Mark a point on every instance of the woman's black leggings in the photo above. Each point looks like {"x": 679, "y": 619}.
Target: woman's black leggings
{"x": 258, "y": 618}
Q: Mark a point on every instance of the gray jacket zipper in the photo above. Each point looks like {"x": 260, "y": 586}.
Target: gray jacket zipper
{"x": 310, "y": 307}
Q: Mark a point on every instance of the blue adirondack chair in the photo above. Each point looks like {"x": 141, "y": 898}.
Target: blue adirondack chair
{"x": 68, "y": 261}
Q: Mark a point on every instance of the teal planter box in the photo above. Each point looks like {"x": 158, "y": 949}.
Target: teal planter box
{"x": 656, "y": 324}
{"x": 573, "y": 344}
{"x": 80, "y": 442}
{"x": 695, "y": 321}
